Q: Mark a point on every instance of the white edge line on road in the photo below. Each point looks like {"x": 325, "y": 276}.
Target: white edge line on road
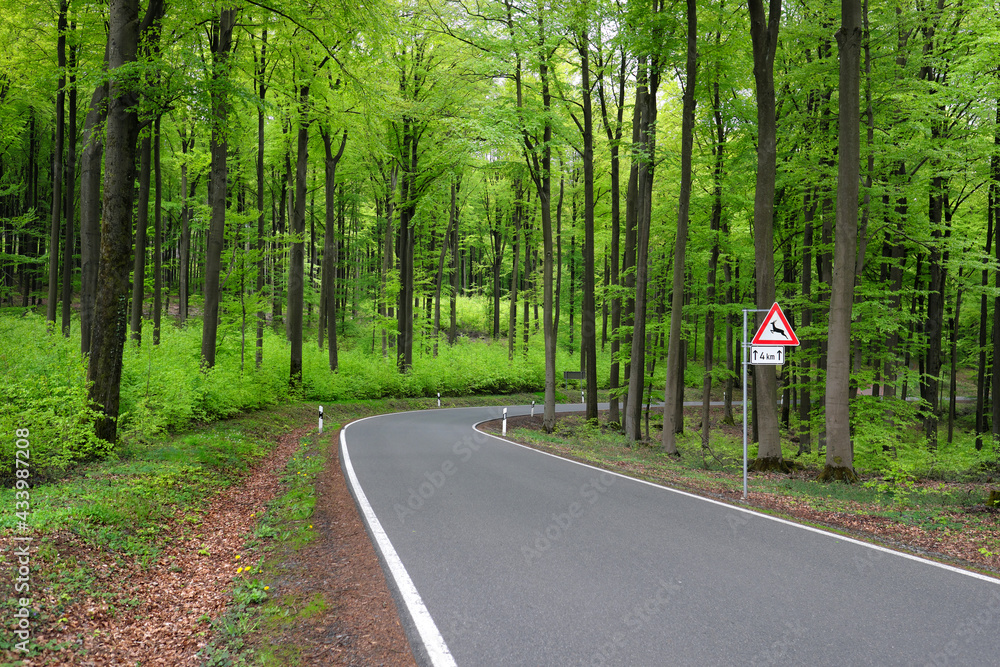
{"x": 437, "y": 649}
{"x": 902, "y": 554}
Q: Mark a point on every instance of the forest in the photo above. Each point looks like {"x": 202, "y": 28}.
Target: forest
{"x": 321, "y": 198}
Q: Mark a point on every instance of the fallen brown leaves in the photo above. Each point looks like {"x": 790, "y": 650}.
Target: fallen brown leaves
{"x": 158, "y": 614}
{"x": 358, "y": 625}
{"x": 128, "y": 613}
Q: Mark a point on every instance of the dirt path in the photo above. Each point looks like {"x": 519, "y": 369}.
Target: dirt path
{"x": 359, "y": 624}
{"x": 125, "y": 612}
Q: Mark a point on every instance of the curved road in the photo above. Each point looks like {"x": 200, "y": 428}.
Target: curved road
{"x": 502, "y": 555}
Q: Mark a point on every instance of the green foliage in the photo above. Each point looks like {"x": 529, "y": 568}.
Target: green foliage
{"x": 43, "y": 390}
{"x": 468, "y": 367}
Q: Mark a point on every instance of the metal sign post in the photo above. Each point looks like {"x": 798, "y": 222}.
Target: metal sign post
{"x": 767, "y": 349}
{"x": 746, "y": 402}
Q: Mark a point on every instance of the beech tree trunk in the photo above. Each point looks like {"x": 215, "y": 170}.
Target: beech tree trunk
{"x": 840, "y": 448}
{"x": 514, "y": 274}
{"x": 69, "y": 194}
{"x": 718, "y": 172}
{"x": 674, "y": 390}
{"x": 139, "y": 257}
{"x": 456, "y": 275}
{"x": 57, "y": 168}
{"x": 157, "y": 233}
{"x": 90, "y": 210}
{"x": 296, "y": 255}
{"x": 222, "y": 45}
{"x": 646, "y": 148}
{"x": 588, "y": 322}
{"x": 764, "y": 36}
{"x": 262, "y": 89}
{"x": 110, "y": 312}
{"x": 184, "y": 260}
{"x": 328, "y": 295}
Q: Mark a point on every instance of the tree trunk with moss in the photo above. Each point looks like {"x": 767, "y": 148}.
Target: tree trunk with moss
{"x": 110, "y": 312}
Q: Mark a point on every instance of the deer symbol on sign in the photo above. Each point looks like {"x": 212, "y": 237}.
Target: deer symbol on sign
{"x": 778, "y": 330}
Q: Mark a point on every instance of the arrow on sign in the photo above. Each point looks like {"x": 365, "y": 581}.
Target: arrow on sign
{"x": 775, "y": 330}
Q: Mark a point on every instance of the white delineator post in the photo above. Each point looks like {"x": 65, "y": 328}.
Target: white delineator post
{"x": 532, "y": 409}
{"x": 321, "y": 420}
{"x": 439, "y": 399}
{"x": 503, "y": 430}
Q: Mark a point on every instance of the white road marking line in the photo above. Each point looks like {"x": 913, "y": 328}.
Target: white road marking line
{"x": 876, "y": 547}
{"x": 437, "y": 649}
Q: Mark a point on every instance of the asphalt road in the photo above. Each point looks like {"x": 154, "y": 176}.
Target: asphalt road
{"x": 503, "y": 555}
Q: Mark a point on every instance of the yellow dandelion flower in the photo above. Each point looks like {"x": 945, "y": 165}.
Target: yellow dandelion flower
{"x": 237, "y": 556}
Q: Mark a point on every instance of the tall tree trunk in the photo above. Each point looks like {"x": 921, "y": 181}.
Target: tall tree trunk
{"x": 222, "y": 39}
{"x": 805, "y": 366}
{"x": 538, "y": 155}
{"x": 90, "y": 210}
{"x": 456, "y": 276}
{"x": 992, "y": 228}
{"x": 388, "y": 254}
{"x": 157, "y": 233}
{"x": 514, "y": 274}
{"x": 718, "y": 171}
{"x": 184, "y": 261}
{"x": 674, "y": 390}
{"x": 407, "y": 211}
{"x": 139, "y": 258}
{"x": 996, "y": 301}
{"x": 840, "y": 448}
{"x": 296, "y": 255}
{"x": 588, "y": 322}
{"x": 764, "y": 35}
{"x": 57, "y": 168}
{"x": 110, "y": 313}
{"x": 527, "y": 284}
{"x": 69, "y": 192}
{"x": 953, "y": 376}
{"x": 262, "y": 94}
{"x": 558, "y": 258}
{"x": 328, "y": 295}
{"x": 643, "y": 214}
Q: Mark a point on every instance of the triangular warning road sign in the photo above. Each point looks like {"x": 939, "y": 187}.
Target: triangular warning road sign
{"x": 775, "y": 330}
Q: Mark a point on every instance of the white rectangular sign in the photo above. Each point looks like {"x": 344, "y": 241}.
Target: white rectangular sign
{"x": 767, "y": 355}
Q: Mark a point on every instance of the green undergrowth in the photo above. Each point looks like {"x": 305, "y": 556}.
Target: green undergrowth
{"x": 165, "y": 390}
{"x": 105, "y": 517}
{"x": 126, "y": 502}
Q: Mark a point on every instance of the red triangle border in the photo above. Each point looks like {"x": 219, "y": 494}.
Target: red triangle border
{"x": 759, "y": 337}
